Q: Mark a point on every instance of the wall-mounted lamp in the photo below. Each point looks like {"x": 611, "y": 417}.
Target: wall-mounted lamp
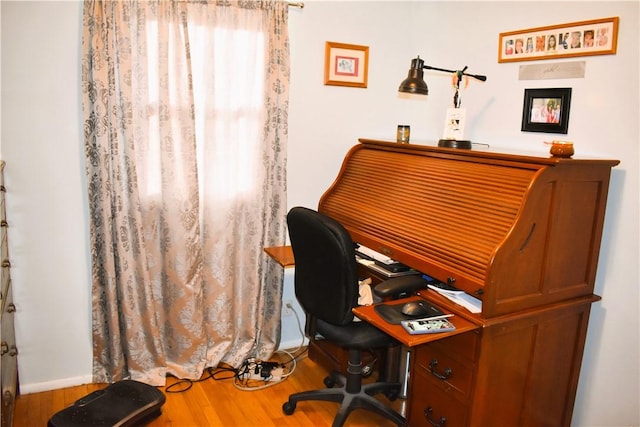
{"x": 414, "y": 83}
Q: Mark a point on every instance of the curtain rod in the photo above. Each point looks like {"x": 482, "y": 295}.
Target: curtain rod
{"x": 296, "y": 4}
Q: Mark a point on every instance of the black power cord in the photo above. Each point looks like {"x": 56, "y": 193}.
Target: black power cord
{"x": 213, "y": 373}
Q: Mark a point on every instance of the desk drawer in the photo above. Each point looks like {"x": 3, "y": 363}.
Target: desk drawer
{"x": 461, "y": 347}
{"x": 430, "y": 406}
{"x": 447, "y": 373}
{"x": 449, "y": 363}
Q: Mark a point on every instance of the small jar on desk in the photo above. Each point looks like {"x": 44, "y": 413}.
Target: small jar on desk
{"x": 403, "y": 134}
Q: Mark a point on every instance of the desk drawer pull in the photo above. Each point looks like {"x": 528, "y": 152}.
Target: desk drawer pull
{"x": 434, "y": 423}
{"x": 432, "y": 369}
{"x": 7, "y": 398}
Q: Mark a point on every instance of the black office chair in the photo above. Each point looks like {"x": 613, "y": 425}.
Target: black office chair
{"x": 326, "y": 285}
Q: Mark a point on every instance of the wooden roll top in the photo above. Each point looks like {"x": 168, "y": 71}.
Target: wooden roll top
{"x": 482, "y": 219}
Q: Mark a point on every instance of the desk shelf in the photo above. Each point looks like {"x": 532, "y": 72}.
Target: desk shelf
{"x": 283, "y": 255}
{"x": 369, "y": 314}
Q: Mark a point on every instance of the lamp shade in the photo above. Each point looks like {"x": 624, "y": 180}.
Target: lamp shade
{"x": 414, "y": 83}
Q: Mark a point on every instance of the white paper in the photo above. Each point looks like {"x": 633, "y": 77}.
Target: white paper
{"x": 474, "y": 305}
{"x": 454, "y": 124}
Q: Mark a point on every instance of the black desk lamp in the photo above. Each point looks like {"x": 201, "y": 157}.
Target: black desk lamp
{"x": 414, "y": 83}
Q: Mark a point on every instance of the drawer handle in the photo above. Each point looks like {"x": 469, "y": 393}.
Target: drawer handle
{"x": 432, "y": 369}
{"x": 7, "y": 398}
{"x": 4, "y": 348}
{"x": 434, "y": 423}
{"x": 13, "y": 351}
{"x": 11, "y": 308}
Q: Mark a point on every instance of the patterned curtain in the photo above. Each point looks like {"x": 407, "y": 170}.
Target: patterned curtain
{"x": 185, "y": 124}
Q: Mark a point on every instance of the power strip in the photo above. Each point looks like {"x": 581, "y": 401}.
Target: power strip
{"x": 261, "y": 371}
{"x": 274, "y": 375}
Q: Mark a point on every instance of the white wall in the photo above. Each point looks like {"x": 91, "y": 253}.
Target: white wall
{"x": 46, "y": 192}
{"x": 325, "y": 121}
{"x": 46, "y": 199}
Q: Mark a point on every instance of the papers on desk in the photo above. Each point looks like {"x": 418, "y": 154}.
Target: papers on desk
{"x": 472, "y": 304}
{"x": 374, "y": 255}
{"x": 381, "y": 264}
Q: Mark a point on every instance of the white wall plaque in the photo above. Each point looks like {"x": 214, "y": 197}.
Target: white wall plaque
{"x": 556, "y": 70}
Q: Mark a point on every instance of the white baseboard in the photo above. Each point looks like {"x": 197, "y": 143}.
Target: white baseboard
{"x": 292, "y": 344}
{"x": 54, "y": 385}
{"x": 88, "y": 379}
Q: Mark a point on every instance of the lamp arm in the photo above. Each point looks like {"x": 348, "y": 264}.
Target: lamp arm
{"x": 429, "y": 67}
{"x": 475, "y": 76}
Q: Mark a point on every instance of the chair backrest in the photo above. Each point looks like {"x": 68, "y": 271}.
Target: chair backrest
{"x": 326, "y": 277}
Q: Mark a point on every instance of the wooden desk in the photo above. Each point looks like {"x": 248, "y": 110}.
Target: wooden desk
{"x": 519, "y": 231}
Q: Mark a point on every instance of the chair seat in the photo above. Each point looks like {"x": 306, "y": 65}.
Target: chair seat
{"x": 358, "y": 335}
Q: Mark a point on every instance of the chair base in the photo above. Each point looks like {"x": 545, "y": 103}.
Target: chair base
{"x": 363, "y": 399}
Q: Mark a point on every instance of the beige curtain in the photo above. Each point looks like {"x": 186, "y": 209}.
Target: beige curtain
{"x": 185, "y": 122}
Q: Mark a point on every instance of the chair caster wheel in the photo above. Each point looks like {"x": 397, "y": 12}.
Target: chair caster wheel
{"x": 288, "y": 407}
{"x": 392, "y": 395}
{"x": 329, "y": 381}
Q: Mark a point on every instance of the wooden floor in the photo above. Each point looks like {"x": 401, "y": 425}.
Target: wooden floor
{"x": 217, "y": 403}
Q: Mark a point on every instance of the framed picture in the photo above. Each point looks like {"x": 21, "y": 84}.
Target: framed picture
{"x": 346, "y": 65}
{"x": 546, "y": 110}
{"x": 584, "y": 38}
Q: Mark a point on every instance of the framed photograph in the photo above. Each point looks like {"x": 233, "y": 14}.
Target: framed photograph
{"x": 546, "y": 110}
{"x": 584, "y": 38}
{"x": 346, "y": 65}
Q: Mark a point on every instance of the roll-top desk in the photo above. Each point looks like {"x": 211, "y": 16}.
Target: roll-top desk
{"x": 520, "y": 232}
